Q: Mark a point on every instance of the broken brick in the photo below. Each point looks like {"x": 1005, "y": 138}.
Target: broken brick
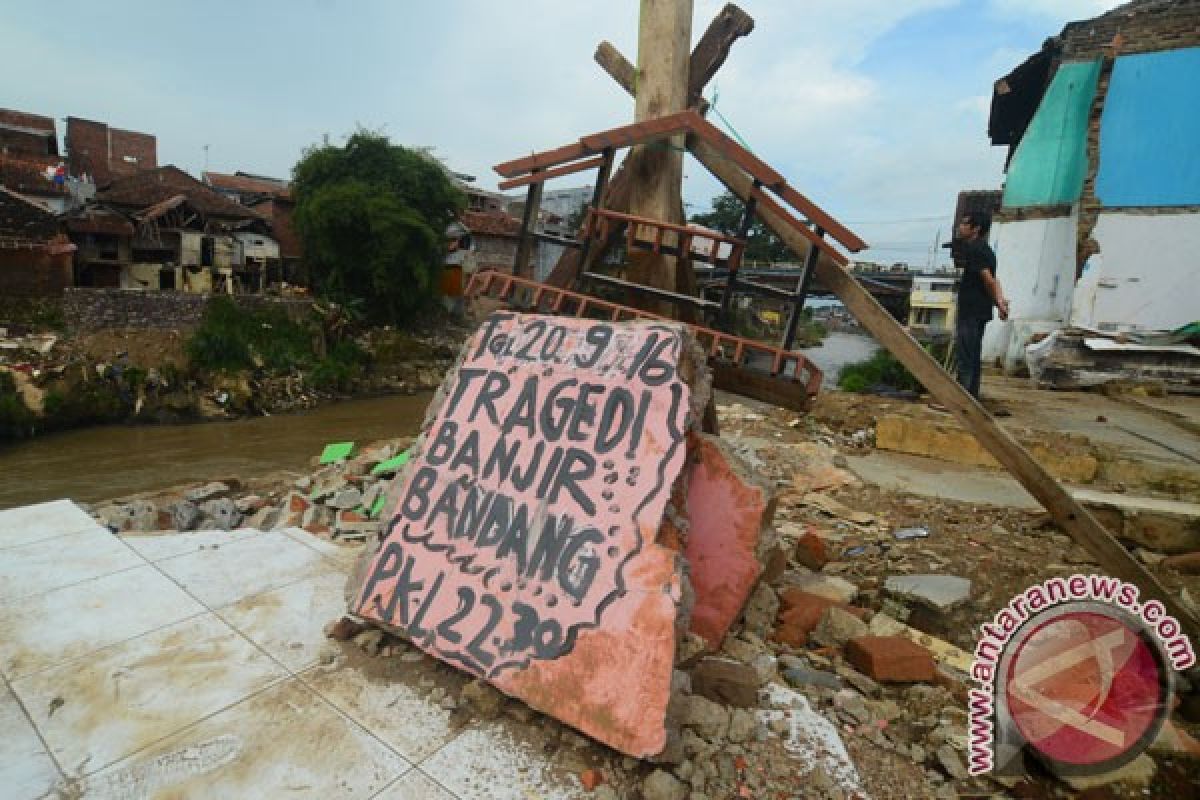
{"x": 810, "y": 551}
{"x": 591, "y": 778}
{"x": 891, "y": 659}
{"x": 802, "y": 612}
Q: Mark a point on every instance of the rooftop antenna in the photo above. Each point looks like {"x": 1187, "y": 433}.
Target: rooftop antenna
{"x": 206, "y": 158}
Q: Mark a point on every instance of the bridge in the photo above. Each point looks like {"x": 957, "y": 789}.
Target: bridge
{"x": 890, "y": 288}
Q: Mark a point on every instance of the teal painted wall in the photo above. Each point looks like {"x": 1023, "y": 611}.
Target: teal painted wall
{"x": 1051, "y": 160}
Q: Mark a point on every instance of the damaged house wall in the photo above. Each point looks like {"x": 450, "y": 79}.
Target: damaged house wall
{"x": 1115, "y": 250}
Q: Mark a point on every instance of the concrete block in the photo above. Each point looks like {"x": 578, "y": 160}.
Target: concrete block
{"x": 523, "y": 542}
{"x": 937, "y": 592}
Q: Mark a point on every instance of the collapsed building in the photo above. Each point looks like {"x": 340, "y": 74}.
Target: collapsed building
{"x": 1100, "y": 221}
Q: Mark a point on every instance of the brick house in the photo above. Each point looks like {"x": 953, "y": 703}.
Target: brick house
{"x": 28, "y": 150}
{"x": 182, "y": 235}
{"x": 272, "y": 199}
{"x": 1100, "y": 223}
{"x": 105, "y": 154}
{"x": 35, "y": 258}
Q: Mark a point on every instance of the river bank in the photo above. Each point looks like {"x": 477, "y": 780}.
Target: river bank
{"x": 52, "y": 382}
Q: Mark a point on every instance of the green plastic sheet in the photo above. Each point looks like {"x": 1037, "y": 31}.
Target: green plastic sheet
{"x": 1051, "y": 161}
{"x": 391, "y": 465}
{"x": 336, "y": 452}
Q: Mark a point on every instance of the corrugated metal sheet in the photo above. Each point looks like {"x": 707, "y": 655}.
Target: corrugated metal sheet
{"x": 1051, "y": 161}
{"x": 1150, "y": 130}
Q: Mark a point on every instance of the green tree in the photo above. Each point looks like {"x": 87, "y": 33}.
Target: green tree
{"x": 761, "y": 243}
{"x": 372, "y": 217}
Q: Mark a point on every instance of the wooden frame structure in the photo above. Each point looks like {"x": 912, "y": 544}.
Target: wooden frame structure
{"x": 768, "y": 196}
{"x": 789, "y": 379}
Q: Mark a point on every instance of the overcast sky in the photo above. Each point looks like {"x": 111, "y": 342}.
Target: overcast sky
{"x": 877, "y": 109}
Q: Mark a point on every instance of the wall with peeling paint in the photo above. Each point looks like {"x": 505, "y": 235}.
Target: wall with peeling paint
{"x": 1147, "y": 276}
{"x": 1035, "y": 263}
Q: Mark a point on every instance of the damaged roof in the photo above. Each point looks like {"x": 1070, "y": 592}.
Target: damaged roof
{"x": 28, "y": 174}
{"x": 249, "y": 184}
{"x": 490, "y": 223}
{"x": 98, "y": 219}
{"x": 144, "y": 190}
{"x": 25, "y": 220}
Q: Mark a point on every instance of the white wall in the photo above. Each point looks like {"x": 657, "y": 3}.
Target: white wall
{"x": 1147, "y": 276}
{"x": 1035, "y": 263}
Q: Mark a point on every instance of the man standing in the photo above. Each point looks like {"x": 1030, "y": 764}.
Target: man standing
{"x": 977, "y": 293}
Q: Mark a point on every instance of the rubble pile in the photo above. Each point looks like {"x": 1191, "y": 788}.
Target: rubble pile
{"x": 842, "y": 671}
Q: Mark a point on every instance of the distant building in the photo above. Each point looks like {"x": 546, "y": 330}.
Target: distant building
{"x": 104, "y": 154}
{"x": 29, "y": 161}
{"x": 181, "y": 234}
{"x": 1100, "y": 225}
{"x": 35, "y": 258}
{"x": 271, "y": 198}
{"x": 565, "y": 203}
{"x": 931, "y": 303}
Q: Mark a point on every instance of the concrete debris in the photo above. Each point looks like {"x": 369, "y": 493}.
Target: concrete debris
{"x": 837, "y": 627}
{"x": 208, "y": 491}
{"x": 938, "y": 592}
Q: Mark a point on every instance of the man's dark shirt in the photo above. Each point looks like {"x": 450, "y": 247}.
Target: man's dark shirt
{"x": 974, "y": 302}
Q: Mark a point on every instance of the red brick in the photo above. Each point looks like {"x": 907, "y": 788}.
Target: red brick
{"x": 891, "y": 659}
{"x": 800, "y": 611}
{"x": 591, "y": 778}
{"x": 298, "y": 503}
{"x": 810, "y": 551}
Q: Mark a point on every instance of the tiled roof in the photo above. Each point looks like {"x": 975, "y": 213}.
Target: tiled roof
{"x": 246, "y": 183}
{"x": 98, "y": 220}
{"x": 490, "y": 223}
{"x": 145, "y": 189}
{"x": 21, "y": 219}
{"x": 27, "y": 174}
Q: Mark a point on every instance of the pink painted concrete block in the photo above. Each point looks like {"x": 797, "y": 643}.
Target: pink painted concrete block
{"x": 729, "y": 511}
{"x": 523, "y": 545}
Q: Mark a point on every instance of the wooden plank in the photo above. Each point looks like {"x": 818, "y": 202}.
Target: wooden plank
{"x": 641, "y": 132}
{"x": 557, "y": 172}
{"x": 768, "y": 202}
{"x": 730, "y": 24}
{"x": 846, "y": 237}
{"x": 617, "y": 66}
{"x": 544, "y": 160}
{"x": 760, "y": 385}
{"x": 736, "y": 153}
{"x": 1072, "y": 517}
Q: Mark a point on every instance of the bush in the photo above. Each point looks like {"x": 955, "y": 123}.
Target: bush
{"x": 231, "y": 338}
{"x": 881, "y": 369}
{"x": 340, "y": 368}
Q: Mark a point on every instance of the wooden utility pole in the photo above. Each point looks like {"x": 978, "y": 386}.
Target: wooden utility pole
{"x": 656, "y": 188}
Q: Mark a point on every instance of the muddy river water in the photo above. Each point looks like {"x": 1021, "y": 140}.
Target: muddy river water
{"x": 101, "y": 463}
{"x": 111, "y": 461}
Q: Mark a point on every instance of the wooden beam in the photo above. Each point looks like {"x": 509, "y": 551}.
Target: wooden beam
{"x": 644, "y": 132}
{"x": 664, "y": 53}
{"x": 617, "y": 66}
{"x": 549, "y": 158}
{"x": 712, "y": 49}
{"x": 846, "y": 237}
{"x": 1072, "y": 517}
{"x": 557, "y": 172}
{"x": 766, "y": 201}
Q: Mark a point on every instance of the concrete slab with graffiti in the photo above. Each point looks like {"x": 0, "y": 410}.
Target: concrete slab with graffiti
{"x": 524, "y": 543}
